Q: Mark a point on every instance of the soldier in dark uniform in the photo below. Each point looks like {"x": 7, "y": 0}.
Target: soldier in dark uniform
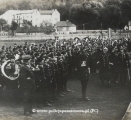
{"x": 27, "y": 84}
{"x": 116, "y": 64}
{"x": 38, "y": 75}
{"x": 12, "y": 85}
{"x": 57, "y": 77}
{"x": 40, "y": 81}
{"x": 105, "y": 62}
{"x": 69, "y": 58}
{"x": 124, "y": 65}
{"x": 93, "y": 61}
{"x": 84, "y": 71}
{"x": 65, "y": 75}
{"x": 60, "y": 78}
{"x": 53, "y": 83}
{"x": 129, "y": 45}
{"x": 48, "y": 75}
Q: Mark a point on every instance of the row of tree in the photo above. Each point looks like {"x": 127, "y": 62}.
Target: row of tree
{"x": 26, "y": 27}
{"x": 96, "y": 15}
{"x": 86, "y": 14}
{"x": 8, "y": 28}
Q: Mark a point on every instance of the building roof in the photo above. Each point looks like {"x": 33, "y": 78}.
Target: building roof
{"x": 46, "y": 12}
{"x": 25, "y": 11}
{"x": 14, "y": 12}
{"x": 65, "y": 24}
{"x": 42, "y": 12}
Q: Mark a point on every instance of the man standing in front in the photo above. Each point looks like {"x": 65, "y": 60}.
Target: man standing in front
{"x": 27, "y": 84}
{"x": 105, "y": 63}
{"x": 124, "y": 65}
{"x": 84, "y": 71}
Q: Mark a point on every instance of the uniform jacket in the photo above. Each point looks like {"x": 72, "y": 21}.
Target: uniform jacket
{"x": 84, "y": 64}
{"x": 124, "y": 61}
{"x": 104, "y": 60}
{"x": 27, "y": 80}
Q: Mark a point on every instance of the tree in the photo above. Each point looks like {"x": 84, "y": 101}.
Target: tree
{"x": 2, "y": 23}
{"x": 25, "y": 5}
{"x": 126, "y": 11}
{"x": 111, "y": 14}
{"x": 26, "y": 26}
{"x": 29, "y": 23}
{"x": 92, "y": 14}
{"x": 47, "y": 28}
{"x": 64, "y": 11}
{"x": 13, "y": 28}
{"x": 85, "y": 14}
{"x": 75, "y": 14}
{"x": 6, "y": 28}
{"x": 33, "y": 29}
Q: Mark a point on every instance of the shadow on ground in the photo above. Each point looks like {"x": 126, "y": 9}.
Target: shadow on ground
{"x": 111, "y": 103}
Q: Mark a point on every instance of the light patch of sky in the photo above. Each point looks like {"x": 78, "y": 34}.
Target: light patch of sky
{"x": 6, "y": 1}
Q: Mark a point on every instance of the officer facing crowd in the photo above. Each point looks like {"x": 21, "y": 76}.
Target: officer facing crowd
{"x": 124, "y": 65}
{"x": 105, "y": 63}
{"x": 84, "y": 71}
{"x": 116, "y": 64}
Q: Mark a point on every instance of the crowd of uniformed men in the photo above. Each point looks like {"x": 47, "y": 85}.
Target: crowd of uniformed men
{"x": 45, "y": 68}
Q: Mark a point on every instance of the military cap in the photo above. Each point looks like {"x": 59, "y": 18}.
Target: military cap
{"x": 40, "y": 44}
{"x": 32, "y": 43}
{"x": 58, "y": 54}
{"x": 105, "y": 48}
{"x": 50, "y": 49}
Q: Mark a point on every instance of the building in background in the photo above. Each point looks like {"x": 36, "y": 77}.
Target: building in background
{"x": 52, "y": 16}
{"x": 36, "y": 17}
{"x": 65, "y": 27}
{"x": 29, "y": 15}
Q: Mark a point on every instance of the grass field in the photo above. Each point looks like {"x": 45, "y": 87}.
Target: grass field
{"x": 111, "y": 104}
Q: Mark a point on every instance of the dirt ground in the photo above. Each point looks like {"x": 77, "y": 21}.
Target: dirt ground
{"x": 111, "y": 103}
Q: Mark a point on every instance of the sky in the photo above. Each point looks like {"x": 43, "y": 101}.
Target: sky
{"x": 5, "y": 1}
{"x": 10, "y": 1}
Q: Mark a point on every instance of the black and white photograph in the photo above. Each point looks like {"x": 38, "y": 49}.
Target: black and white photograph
{"x": 65, "y": 59}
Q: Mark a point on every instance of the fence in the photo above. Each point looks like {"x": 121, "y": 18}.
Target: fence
{"x": 80, "y": 33}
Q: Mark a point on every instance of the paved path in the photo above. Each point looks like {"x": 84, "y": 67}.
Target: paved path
{"x": 127, "y": 115}
{"x": 111, "y": 103}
